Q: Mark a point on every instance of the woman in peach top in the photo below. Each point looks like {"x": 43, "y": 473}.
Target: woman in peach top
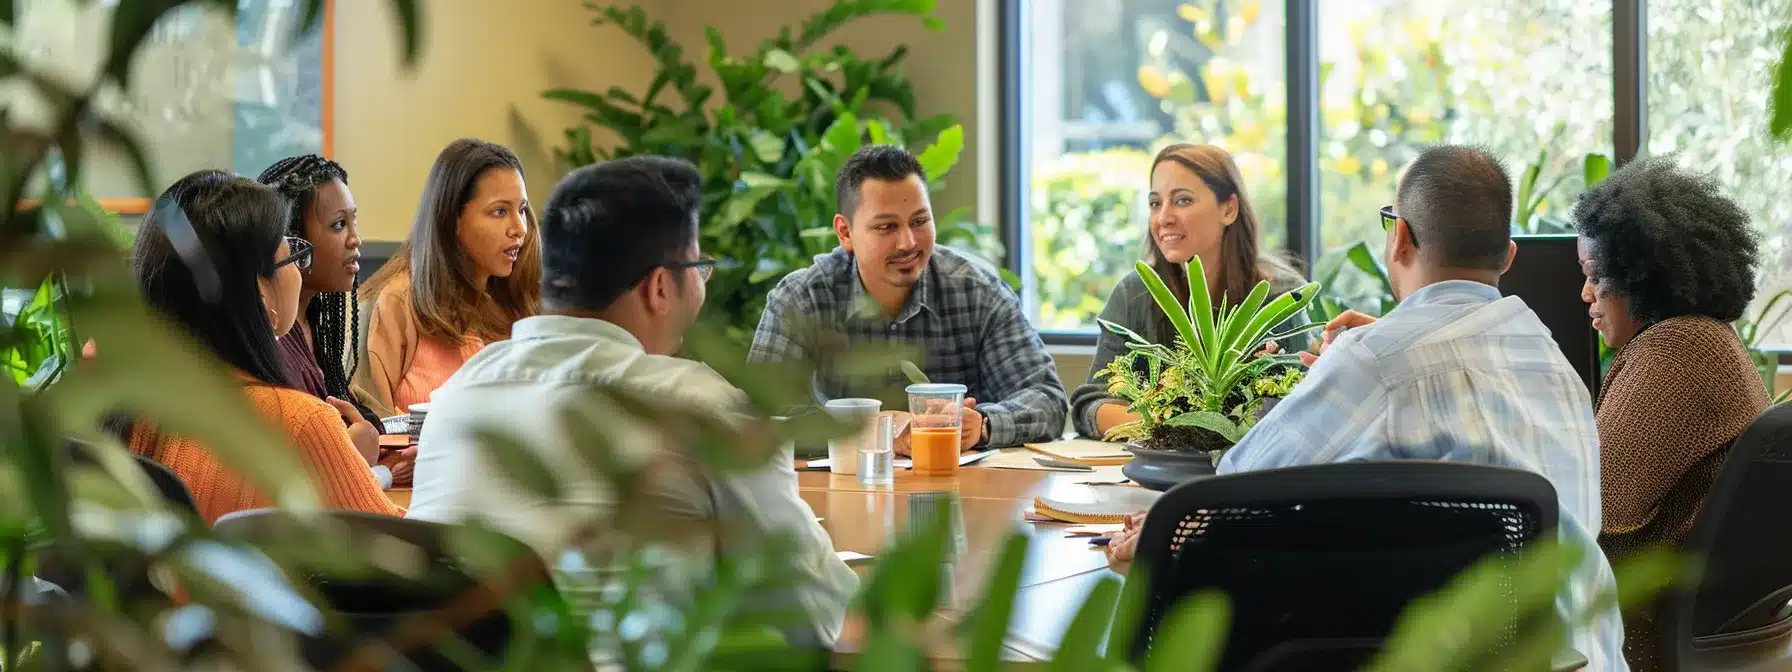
{"x": 471, "y": 268}
{"x": 252, "y": 298}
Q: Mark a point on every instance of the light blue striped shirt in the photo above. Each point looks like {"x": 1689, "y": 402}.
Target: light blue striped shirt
{"x": 1456, "y": 373}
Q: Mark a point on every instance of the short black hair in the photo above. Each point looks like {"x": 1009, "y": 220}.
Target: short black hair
{"x": 1670, "y": 242}
{"x": 1457, "y": 201}
{"x": 608, "y": 225}
{"x": 872, "y": 162}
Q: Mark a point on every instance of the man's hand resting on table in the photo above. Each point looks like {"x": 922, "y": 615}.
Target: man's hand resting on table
{"x": 971, "y": 432}
{"x": 1125, "y": 542}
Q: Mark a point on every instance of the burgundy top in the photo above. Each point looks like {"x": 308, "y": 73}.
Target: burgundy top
{"x": 301, "y": 364}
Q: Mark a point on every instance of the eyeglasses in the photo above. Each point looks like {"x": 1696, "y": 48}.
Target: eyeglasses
{"x": 705, "y": 265}
{"x": 301, "y": 254}
{"x": 1387, "y": 224}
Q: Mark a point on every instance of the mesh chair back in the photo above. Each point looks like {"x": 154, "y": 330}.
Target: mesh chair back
{"x": 1739, "y": 534}
{"x": 373, "y": 605}
{"x": 1319, "y": 561}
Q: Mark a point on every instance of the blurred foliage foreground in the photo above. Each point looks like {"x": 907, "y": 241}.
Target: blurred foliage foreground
{"x": 145, "y": 586}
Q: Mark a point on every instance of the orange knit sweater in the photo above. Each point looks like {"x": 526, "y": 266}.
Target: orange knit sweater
{"x": 342, "y": 478}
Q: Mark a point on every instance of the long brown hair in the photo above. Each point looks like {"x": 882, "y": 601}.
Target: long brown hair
{"x": 1242, "y": 265}
{"x": 447, "y": 305}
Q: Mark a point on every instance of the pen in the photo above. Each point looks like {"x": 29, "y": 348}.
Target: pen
{"x": 1100, "y": 541}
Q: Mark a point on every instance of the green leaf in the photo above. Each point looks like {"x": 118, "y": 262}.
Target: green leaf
{"x": 1215, "y": 422}
{"x": 939, "y": 158}
{"x": 880, "y": 132}
{"x": 1080, "y": 648}
{"x": 1200, "y": 309}
{"x": 1193, "y": 636}
{"x": 1167, "y": 302}
{"x": 517, "y": 462}
{"x": 767, "y": 147}
{"x": 1360, "y": 257}
{"x": 989, "y": 621}
{"x": 914, "y": 373}
{"x": 842, "y": 137}
{"x": 1596, "y": 168}
{"x": 1779, "y": 124}
{"x": 781, "y": 61}
{"x": 933, "y": 23}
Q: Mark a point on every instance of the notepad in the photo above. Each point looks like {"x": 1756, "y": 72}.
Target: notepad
{"x": 1085, "y": 452}
{"x": 1110, "y": 506}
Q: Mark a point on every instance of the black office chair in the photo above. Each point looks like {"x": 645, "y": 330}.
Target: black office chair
{"x": 1737, "y": 614}
{"x": 369, "y": 605}
{"x": 1319, "y": 561}
{"x": 130, "y": 573}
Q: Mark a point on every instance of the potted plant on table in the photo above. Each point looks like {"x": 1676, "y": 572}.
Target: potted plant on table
{"x": 1197, "y": 396}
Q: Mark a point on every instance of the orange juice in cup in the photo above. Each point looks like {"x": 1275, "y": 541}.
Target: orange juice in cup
{"x": 937, "y": 411}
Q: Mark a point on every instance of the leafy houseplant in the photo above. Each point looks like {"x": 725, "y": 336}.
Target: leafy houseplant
{"x": 1205, "y": 390}
{"x": 769, "y": 156}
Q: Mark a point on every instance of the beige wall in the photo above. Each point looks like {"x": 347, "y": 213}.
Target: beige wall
{"x": 484, "y": 66}
{"x": 486, "y": 63}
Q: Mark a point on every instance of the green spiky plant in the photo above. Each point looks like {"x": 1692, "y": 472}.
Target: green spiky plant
{"x": 1204, "y": 390}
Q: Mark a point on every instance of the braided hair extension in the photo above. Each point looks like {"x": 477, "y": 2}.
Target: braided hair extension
{"x": 297, "y": 178}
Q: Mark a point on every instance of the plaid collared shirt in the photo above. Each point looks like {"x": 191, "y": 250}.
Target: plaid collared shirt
{"x": 964, "y": 321}
{"x": 1457, "y": 373}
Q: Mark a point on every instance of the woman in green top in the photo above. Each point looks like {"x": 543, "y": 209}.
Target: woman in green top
{"x": 1198, "y": 208}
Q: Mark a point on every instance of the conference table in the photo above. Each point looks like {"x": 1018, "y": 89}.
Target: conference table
{"x": 1059, "y": 570}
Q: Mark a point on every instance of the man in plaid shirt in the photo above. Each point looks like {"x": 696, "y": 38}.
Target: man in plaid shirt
{"x": 888, "y": 284}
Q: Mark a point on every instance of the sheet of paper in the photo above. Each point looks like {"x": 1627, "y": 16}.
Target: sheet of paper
{"x": 850, "y": 557}
{"x": 964, "y": 460}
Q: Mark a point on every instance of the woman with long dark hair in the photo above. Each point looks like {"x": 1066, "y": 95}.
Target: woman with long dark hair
{"x": 1198, "y": 209}
{"x": 470, "y": 269}
{"x": 234, "y": 287}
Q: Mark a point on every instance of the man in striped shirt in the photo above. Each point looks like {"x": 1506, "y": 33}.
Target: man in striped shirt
{"x": 1455, "y": 372}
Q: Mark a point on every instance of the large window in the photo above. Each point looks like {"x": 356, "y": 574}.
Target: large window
{"x": 1530, "y": 80}
{"x": 1112, "y": 81}
{"x": 1106, "y": 82}
{"x": 1708, "y": 87}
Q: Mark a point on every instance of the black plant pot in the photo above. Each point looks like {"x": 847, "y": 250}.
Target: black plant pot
{"x": 1163, "y": 469}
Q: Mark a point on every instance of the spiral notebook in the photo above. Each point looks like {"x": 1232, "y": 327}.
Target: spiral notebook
{"x": 1107, "y": 505}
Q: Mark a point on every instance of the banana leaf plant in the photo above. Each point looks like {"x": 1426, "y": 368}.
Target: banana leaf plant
{"x": 1213, "y": 376}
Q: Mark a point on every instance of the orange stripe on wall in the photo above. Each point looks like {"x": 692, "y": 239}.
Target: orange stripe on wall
{"x": 329, "y": 77}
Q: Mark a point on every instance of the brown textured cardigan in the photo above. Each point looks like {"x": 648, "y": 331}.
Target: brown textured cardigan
{"x": 1676, "y": 396}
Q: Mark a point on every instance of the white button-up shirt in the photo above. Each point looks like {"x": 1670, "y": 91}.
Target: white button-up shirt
{"x": 527, "y": 386}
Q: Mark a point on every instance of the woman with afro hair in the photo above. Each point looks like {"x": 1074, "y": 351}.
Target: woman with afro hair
{"x": 1670, "y": 262}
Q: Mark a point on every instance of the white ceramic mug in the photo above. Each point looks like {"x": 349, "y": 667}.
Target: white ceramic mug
{"x": 843, "y": 452}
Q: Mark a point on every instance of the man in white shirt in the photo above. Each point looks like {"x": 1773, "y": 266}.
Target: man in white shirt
{"x": 622, "y": 279}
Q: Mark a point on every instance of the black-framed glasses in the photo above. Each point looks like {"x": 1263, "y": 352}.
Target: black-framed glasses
{"x": 705, "y": 265}
{"x": 300, "y": 254}
{"x": 1387, "y": 223}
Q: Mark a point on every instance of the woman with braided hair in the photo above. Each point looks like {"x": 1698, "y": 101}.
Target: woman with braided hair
{"x": 321, "y": 351}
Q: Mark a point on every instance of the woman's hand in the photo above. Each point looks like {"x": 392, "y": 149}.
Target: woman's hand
{"x": 360, "y": 431}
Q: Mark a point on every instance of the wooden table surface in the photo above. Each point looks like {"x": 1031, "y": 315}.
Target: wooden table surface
{"x": 1059, "y": 570}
